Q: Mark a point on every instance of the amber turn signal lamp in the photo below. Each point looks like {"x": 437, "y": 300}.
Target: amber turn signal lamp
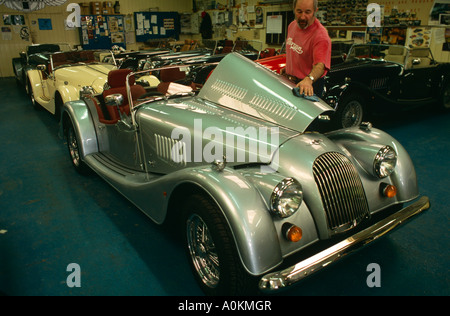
{"x": 291, "y": 232}
{"x": 388, "y": 190}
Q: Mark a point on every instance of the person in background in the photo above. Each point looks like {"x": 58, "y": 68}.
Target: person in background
{"x": 206, "y": 28}
{"x": 308, "y": 49}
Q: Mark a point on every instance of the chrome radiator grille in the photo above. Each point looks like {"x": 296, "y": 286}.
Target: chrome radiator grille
{"x": 341, "y": 190}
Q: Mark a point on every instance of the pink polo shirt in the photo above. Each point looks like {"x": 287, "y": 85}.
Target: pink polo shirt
{"x": 305, "y": 48}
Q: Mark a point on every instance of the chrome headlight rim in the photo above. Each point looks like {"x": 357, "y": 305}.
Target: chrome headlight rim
{"x": 286, "y": 198}
{"x": 385, "y": 162}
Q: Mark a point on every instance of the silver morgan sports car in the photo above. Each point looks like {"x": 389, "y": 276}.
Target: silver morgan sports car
{"x": 243, "y": 168}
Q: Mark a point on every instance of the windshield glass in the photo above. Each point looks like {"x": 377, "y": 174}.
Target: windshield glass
{"x": 375, "y": 51}
{"x": 75, "y": 57}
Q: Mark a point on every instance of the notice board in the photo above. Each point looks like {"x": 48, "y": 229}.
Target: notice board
{"x": 155, "y": 25}
{"x": 102, "y": 31}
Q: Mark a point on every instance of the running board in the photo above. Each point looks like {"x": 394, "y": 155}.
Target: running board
{"x": 138, "y": 187}
{"x": 118, "y": 176}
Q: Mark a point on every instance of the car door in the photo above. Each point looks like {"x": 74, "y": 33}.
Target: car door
{"x": 416, "y": 83}
{"x": 45, "y": 78}
{"x": 123, "y": 147}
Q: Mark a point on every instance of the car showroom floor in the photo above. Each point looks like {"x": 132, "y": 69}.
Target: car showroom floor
{"x": 50, "y": 217}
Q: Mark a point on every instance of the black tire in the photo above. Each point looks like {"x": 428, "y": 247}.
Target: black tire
{"x": 351, "y": 111}
{"x": 211, "y": 250}
{"x": 74, "y": 150}
{"x": 58, "y": 106}
{"x": 30, "y": 93}
{"x": 445, "y": 98}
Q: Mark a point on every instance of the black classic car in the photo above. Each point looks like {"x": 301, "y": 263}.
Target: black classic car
{"x": 339, "y": 50}
{"x": 135, "y": 60}
{"x": 379, "y": 79}
{"x": 33, "y": 56}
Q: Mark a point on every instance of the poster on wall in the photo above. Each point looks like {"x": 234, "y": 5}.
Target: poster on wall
{"x": 419, "y": 37}
{"x": 394, "y": 35}
{"x": 259, "y": 17}
{"x": 13, "y": 19}
{"x": 102, "y": 31}
{"x": 156, "y": 25}
{"x": 6, "y": 33}
{"x": 24, "y": 33}
{"x": 45, "y": 24}
{"x": 274, "y": 24}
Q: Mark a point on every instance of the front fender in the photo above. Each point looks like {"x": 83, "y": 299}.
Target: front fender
{"x": 68, "y": 93}
{"x": 404, "y": 176}
{"x": 246, "y": 212}
{"x": 77, "y": 113}
{"x": 334, "y": 94}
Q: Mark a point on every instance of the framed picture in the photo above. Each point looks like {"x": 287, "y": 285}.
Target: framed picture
{"x": 45, "y": 24}
{"x": 444, "y": 19}
{"x": 359, "y": 37}
{"x": 439, "y": 7}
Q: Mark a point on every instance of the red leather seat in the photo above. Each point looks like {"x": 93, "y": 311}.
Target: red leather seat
{"x": 116, "y": 82}
{"x": 171, "y": 74}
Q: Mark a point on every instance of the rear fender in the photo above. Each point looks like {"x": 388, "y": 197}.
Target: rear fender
{"x": 35, "y": 82}
{"x": 18, "y": 68}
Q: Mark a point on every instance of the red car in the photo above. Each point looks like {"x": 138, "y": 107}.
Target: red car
{"x": 275, "y": 63}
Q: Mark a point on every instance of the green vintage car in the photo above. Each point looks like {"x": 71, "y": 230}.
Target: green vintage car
{"x": 241, "y": 168}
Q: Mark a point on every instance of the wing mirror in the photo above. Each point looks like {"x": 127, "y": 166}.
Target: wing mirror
{"x": 41, "y": 67}
{"x": 115, "y": 99}
{"x": 416, "y": 62}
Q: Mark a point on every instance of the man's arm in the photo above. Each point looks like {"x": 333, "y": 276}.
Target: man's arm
{"x": 305, "y": 85}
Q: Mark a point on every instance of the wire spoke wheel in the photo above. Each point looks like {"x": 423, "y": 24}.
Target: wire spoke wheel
{"x": 202, "y": 251}
{"x": 211, "y": 250}
{"x": 352, "y": 114}
{"x": 72, "y": 143}
{"x": 74, "y": 150}
{"x": 446, "y": 96}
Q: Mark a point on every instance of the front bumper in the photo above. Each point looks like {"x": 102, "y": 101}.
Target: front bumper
{"x": 284, "y": 278}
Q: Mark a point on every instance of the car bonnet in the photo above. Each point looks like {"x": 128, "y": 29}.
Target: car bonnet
{"x": 243, "y": 85}
{"x": 94, "y": 75}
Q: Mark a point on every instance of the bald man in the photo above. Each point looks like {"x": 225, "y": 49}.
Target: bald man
{"x": 308, "y": 49}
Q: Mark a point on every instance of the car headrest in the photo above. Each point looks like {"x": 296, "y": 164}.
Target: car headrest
{"x": 420, "y": 52}
{"x": 395, "y": 50}
{"x": 116, "y": 78}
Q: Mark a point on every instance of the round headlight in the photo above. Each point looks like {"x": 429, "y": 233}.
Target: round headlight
{"x": 86, "y": 90}
{"x": 286, "y": 197}
{"x": 385, "y": 161}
